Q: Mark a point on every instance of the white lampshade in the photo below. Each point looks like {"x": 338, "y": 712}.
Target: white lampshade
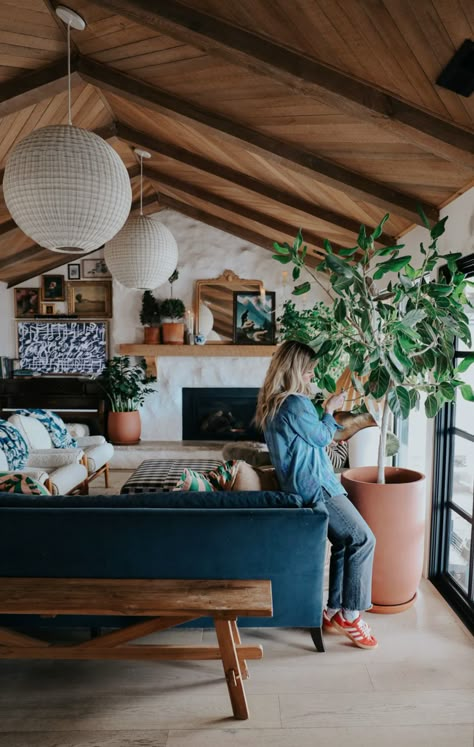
{"x": 143, "y": 254}
{"x": 67, "y": 188}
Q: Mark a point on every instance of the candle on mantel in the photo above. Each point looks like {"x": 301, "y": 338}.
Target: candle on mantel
{"x": 262, "y": 294}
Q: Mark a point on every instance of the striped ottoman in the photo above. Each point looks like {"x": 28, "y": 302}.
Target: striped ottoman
{"x": 161, "y": 475}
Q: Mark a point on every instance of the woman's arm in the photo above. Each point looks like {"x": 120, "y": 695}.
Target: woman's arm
{"x": 302, "y": 418}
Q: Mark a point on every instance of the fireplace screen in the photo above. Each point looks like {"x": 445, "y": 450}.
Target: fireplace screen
{"x": 220, "y": 414}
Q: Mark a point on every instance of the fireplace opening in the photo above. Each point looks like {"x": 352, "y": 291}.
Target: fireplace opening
{"x": 220, "y": 414}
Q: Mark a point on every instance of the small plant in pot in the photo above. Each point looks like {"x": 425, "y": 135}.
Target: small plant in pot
{"x": 397, "y": 339}
{"x": 150, "y": 318}
{"x": 126, "y": 388}
{"x": 172, "y": 314}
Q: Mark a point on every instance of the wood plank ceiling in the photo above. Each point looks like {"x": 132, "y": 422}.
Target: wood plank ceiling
{"x": 260, "y": 116}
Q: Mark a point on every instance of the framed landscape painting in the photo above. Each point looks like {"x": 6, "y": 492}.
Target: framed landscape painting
{"x": 254, "y": 318}
{"x": 90, "y": 299}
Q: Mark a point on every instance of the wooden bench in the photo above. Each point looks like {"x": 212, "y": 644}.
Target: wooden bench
{"x": 168, "y": 602}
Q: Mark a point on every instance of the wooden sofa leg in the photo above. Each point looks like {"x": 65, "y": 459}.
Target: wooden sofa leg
{"x": 317, "y": 636}
{"x": 106, "y": 475}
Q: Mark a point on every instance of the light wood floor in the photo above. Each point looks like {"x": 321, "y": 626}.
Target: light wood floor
{"x": 416, "y": 689}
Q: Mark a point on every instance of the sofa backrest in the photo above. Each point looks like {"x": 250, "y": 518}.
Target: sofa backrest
{"x": 130, "y": 537}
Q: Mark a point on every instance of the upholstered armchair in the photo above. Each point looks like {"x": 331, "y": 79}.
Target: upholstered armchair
{"x": 60, "y": 473}
{"x": 95, "y": 451}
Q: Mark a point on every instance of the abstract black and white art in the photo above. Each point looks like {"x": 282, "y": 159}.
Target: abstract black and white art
{"x": 63, "y": 347}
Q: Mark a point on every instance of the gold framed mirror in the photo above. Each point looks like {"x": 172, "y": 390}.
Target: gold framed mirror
{"x": 216, "y": 296}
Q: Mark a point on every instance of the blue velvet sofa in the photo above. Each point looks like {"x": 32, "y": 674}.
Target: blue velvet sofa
{"x": 265, "y": 534}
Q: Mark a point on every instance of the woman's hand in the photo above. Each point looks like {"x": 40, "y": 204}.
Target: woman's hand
{"x": 335, "y": 402}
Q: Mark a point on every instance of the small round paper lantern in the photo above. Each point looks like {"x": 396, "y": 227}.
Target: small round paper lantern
{"x": 66, "y": 188}
{"x": 143, "y": 254}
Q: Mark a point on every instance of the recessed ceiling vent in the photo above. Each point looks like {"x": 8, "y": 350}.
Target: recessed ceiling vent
{"x": 458, "y": 75}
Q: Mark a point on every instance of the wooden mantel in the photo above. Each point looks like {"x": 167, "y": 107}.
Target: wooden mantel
{"x": 151, "y": 352}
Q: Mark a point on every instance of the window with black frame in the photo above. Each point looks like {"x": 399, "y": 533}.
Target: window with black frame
{"x": 452, "y": 546}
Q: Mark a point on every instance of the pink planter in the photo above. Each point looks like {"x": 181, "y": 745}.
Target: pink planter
{"x": 396, "y": 514}
{"x": 124, "y": 427}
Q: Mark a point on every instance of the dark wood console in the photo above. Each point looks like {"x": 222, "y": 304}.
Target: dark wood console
{"x": 74, "y": 399}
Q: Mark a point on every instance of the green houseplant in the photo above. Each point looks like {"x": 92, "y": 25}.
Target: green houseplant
{"x": 172, "y": 313}
{"x": 126, "y": 388}
{"x": 150, "y": 316}
{"x": 397, "y": 340}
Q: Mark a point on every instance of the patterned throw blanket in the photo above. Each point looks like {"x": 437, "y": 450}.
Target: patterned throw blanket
{"x": 54, "y": 425}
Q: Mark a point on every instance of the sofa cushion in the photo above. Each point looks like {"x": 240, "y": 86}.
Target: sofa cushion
{"x": 54, "y": 424}
{"x": 255, "y": 478}
{"x": 16, "y": 482}
{"x": 13, "y": 446}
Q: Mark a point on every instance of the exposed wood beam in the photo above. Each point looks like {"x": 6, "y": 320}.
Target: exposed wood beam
{"x": 48, "y": 265}
{"x": 302, "y": 74}
{"x": 288, "y": 199}
{"x": 8, "y": 227}
{"x": 357, "y": 186}
{"x": 240, "y": 211}
{"x": 22, "y": 256}
{"x": 224, "y": 225}
{"x": 31, "y": 88}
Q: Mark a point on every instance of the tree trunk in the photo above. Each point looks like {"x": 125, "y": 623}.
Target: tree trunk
{"x": 382, "y": 443}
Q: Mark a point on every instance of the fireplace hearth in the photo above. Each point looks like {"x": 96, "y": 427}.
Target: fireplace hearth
{"x": 220, "y": 414}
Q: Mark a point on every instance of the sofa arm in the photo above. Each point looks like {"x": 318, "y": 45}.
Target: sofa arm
{"x": 84, "y": 441}
{"x": 48, "y": 459}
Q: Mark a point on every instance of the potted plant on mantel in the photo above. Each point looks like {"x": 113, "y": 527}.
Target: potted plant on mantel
{"x": 398, "y": 343}
{"x": 150, "y": 318}
{"x": 172, "y": 314}
{"x": 126, "y": 387}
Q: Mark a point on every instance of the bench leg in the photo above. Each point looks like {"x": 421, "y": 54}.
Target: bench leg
{"x": 236, "y": 635}
{"x": 231, "y": 665}
{"x": 317, "y": 636}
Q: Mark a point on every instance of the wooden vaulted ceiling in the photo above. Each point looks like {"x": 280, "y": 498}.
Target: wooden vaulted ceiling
{"x": 260, "y": 116}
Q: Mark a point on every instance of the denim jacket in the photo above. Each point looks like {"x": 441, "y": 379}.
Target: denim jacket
{"x": 296, "y": 438}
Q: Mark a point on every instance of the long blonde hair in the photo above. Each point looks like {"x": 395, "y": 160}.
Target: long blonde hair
{"x": 284, "y": 377}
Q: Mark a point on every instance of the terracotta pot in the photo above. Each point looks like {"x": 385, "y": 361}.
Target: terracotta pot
{"x": 124, "y": 427}
{"x": 396, "y": 514}
{"x": 151, "y": 335}
{"x": 173, "y": 333}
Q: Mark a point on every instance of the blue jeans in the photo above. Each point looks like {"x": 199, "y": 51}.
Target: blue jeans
{"x": 352, "y": 555}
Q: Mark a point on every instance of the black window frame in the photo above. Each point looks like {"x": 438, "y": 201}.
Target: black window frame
{"x": 445, "y": 431}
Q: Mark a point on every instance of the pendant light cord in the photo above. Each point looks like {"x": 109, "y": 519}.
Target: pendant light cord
{"x": 69, "y": 72}
{"x": 141, "y": 185}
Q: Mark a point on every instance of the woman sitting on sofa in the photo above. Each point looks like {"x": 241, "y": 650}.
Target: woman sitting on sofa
{"x": 296, "y": 440}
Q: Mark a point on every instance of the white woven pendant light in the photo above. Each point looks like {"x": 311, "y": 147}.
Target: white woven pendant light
{"x": 144, "y": 253}
{"x": 65, "y": 187}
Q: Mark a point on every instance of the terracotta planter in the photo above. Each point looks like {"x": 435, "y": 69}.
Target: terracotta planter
{"x": 151, "y": 335}
{"x": 172, "y": 333}
{"x": 396, "y": 514}
{"x": 124, "y": 427}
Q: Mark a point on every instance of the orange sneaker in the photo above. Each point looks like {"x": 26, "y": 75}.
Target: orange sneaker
{"x": 358, "y": 631}
{"x": 328, "y": 627}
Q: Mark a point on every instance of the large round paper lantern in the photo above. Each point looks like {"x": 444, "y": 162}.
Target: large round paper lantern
{"x": 67, "y": 188}
{"x": 143, "y": 254}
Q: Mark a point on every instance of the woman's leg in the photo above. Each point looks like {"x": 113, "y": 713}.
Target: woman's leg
{"x": 352, "y": 553}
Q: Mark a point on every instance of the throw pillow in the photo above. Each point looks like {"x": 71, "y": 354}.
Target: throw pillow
{"x": 12, "y": 482}
{"x": 13, "y": 445}
{"x": 192, "y": 480}
{"x": 223, "y": 476}
{"x": 55, "y": 426}
{"x": 247, "y": 478}
{"x": 338, "y": 453}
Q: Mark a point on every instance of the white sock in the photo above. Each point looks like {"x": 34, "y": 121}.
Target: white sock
{"x": 350, "y": 615}
{"x": 331, "y": 611}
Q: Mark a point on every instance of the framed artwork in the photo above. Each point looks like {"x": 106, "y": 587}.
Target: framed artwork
{"x": 74, "y": 271}
{"x": 26, "y": 302}
{"x": 52, "y": 288}
{"x": 48, "y": 308}
{"x": 90, "y": 298}
{"x": 95, "y": 268}
{"x": 62, "y": 347}
{"x": 254, "y": 318}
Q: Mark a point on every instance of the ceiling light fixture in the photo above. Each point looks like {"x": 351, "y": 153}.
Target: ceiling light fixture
{"x": 144, "y": 253}
{"x": 66, "y": 187}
